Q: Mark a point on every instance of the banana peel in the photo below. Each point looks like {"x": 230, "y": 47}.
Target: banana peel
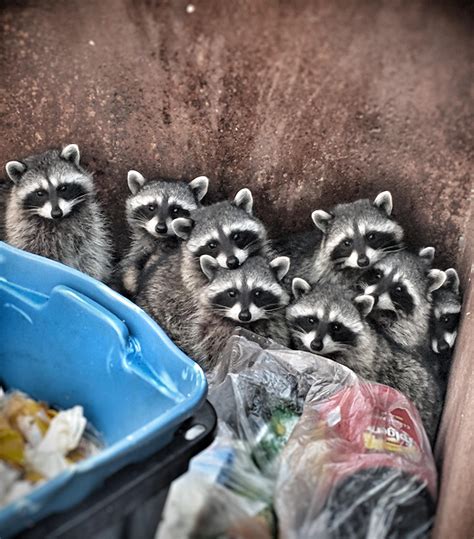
{"x": 12, "y": 447}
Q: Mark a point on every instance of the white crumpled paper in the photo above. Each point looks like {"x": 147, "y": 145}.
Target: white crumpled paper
{"x": 11, "y": 488}
{"x": 63, "y": 435}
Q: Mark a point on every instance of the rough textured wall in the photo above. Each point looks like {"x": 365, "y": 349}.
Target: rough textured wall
{"x": 307, "y": 102}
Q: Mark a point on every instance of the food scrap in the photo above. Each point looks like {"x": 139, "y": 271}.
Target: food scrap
{"x": 37, "y": 443}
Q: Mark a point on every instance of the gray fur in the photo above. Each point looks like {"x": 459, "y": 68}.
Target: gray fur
{"x": 214, "y": 327}
{"x": 350, "y": 219}
{"x": 170, "y": 303}
{"x": 408, "y": 330}
{"x": 299, "y": 247}
{"x": 370, "y": 355}
{"x": 447, "y": 302}
{"x": 145, "y": 240}
{"x": 208, "y": 223}
{"x": 80, "y": 238}
{"x": 175, "y": 307}
{"x": 189, "y": 317}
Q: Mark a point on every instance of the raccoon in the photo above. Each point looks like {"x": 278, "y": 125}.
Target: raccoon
{"x": 331, "y": 321}
{"x": 446, "y": 311}
{"x": 227, "y": 231}
{"x": 52, "y": 211}
{"x": 150, "y": 210}
{"x": 249, "y": 296}
{"x": 402, "y": 285}
{"x": 164, "y": 296}
{"x": 199, "y": 321}
{"x": 354, "y": 237}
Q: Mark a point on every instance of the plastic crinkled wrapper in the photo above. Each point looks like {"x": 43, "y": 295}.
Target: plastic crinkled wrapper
{"x": 37, "y": 443}
{"x": 304, "y": 449}
{"x": 358, "y": 464}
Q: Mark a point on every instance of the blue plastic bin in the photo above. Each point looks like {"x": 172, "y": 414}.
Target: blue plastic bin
{"x": 68, "y": 339}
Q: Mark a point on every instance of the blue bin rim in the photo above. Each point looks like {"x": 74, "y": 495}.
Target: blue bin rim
{"x": 141, "y": 436}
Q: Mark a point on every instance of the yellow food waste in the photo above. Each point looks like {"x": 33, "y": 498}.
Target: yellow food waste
{"x": 38, "y": 442}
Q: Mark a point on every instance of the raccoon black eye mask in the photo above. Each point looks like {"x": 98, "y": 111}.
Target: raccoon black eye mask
{"x": 325, "y": 320}
{"x": 55, "y": 201}
{"x": 446, "y": 314}
{"x": 249, "y": 293}
{"x": 155, "y": 204}
{"x": 53, "y": 211}
{"x": 359, "y": 234}
{"x": 227, "y": 231}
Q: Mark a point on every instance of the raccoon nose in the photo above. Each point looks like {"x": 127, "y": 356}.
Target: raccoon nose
{"x": 245, "y": 316}
{"x": 443, "y": 346}
{"x": 232, "y": 262}
{"x": 161, "y": 228}
{"x": 317, "y": 345}
{"x": 56, "y": 213}
{"x": 363, "y": 261}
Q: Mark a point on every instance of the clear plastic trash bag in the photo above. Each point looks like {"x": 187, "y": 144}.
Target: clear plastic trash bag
{"x": 304, "y": 449}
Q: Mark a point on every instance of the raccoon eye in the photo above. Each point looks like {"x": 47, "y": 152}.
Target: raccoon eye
{"x": 371, "y": 236}
{"x": 445, "y": 319}
{"x": 40, "y": 193}
{"x": 212, "y": 245}
{"x": 378, "y": 275}
{"x": 151, "y": 207}
{"x": 398, "y": 288}
{"x": 257, "y": 293}
{"x": 63, "y": 188}
{"x": 311, "y": 320}
{"x": 175, "y": 211}
{"x": 232, "y": 293}
{"x": 347, "y": 242}
{"x": 335, "y": 326}
{"x": 236, "y": 236}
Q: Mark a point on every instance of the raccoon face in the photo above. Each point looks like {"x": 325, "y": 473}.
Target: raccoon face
{"x": 446, "y": 313}
{"x": 52, "y": 185}
{"x": 401, "y": 282}
{"x": 155, "y": 204}
{"x": 249, "y": 293}
{"x": 227, "y": 231}
{"x": 326, "y": 320}
{"x": 358, "y": 234}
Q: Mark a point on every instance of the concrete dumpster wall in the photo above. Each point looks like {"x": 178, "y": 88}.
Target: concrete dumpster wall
{"x": 308, "y": 102}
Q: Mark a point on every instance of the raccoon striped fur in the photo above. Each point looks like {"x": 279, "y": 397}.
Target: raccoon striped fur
{"x": 52, "y": 211}
{"x": 330, "y": 321}
{"x": 150, "y": 210}
{"x": 402, "y": 285}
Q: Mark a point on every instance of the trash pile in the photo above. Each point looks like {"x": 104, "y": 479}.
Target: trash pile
{"x": 37, "y": 443}
{"x": 305, "y": 448}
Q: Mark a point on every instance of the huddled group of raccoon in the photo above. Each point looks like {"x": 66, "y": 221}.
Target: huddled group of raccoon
{"x": 348, "y": 289}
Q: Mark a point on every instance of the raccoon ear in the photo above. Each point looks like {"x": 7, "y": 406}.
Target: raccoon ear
{"x": 182, "y": 227}
{"x": 71, "y": 153}
{"x": 199, "y": 187}
{"x": 280, "y": 266}
{"x": 322, "y": 219}
{"x": 135, "y": 181}
{"x": 452, "y": 280}
{"x": 364, "y": 304}
{"x": 299, "y": 287}
{"x": 244, "y": 199}
{"x": 15, "y": 170}
{"x": 209, "y": 266}
{"x": 427, "y": 253}
{"x": 436, "y": 279}
{"x": 383, "y": 201}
